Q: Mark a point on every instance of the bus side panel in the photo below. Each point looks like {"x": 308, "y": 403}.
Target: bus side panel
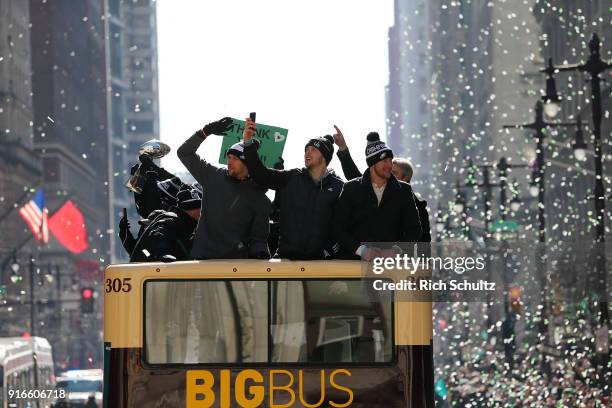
{"x": 375, "y": 387}
{"x": 117, "y": 377}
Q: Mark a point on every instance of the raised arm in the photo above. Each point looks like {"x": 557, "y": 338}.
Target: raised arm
{"x": 199, "y": 168}
{"x": 265, "y": 177}
{"x": 349, "y": 168}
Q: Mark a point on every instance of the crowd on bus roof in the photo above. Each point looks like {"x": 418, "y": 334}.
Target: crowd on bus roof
{"x": 315, "y": 214}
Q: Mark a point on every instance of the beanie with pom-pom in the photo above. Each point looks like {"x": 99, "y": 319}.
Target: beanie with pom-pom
{"x": 376, "y": 149}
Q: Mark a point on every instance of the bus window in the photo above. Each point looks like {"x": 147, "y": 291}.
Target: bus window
{"x": 324, "y": 321}
{"x": 199, "y": 322}
{"x": 308, "y": 321}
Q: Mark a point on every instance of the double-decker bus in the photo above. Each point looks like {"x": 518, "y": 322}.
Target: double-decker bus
{"x": 26, "y": 372}
{"x": 251, "y": 333}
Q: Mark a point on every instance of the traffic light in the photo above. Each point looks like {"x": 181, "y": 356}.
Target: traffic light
{"x": 514, "y": 294}
{"x": 87, "y": 300}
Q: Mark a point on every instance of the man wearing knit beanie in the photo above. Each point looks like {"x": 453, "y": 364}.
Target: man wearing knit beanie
{"x": 402, "y": 170}
{"x": 375, "y": 207}
{"x": 306, "y": 196}
{"x": 235, "y": 221}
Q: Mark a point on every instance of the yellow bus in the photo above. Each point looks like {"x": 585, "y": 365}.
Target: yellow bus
{"x": 251, "y": 333}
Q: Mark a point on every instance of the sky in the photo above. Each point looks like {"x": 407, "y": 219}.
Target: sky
{"x": 301, "y": 65}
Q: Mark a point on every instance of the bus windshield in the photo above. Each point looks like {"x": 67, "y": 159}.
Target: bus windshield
{"x": 322, "y": 321}
{"x": 80, "y": 385}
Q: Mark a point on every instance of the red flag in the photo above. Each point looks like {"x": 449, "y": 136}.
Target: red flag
{"x": 68, "y": 226}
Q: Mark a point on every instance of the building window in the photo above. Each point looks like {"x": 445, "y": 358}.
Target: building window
{"x": 113, "y": 7}
{"x": 140, "y": 126}
{"x": 140, "y": 41}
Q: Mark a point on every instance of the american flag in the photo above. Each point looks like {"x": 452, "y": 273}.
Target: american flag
{"x": 35, "y": 215}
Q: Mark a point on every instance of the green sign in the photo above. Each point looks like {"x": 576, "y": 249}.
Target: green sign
{"x": 504, "y": 226}
{"x": 272, "y": 140}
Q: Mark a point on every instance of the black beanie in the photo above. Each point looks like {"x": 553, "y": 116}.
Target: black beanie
{"x": 189, "y": 199}
{"x": 325, "y": 145}
{"x": 376, "y": 150}
{"x": 237, "y": 149}
{"x": 170, "y": 187}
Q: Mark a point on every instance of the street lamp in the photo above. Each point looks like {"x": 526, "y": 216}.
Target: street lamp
{"x": 579, "y": 145}
{"x": 595, "y": 66}
{"x": 515, "y": 202}
{"x": 534, "y": 189}
{"x": 459, "y": 204}
{"x": 49, "y": 275}
{"x": 552, "y": 101}
{"x": 539, "y": 125}
{"x": 15, "y": 277}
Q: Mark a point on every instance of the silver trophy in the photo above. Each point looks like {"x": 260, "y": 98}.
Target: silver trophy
{"x": 155, "y": 149}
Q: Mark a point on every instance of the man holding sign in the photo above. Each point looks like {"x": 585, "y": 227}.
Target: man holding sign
{"x": 235, "y": 210}
{"x": 307, "y": 197}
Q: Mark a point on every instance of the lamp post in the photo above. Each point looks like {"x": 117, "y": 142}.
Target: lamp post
{"x": 502, "y": 166}
{"x": 594, "y": 66}
{"x": 460, "y": 207}
{"x": 539, "y": 126}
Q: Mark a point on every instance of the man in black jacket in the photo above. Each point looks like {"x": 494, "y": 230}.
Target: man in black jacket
{"x": 375, "y": 207}
{"x": 170, "y": 232}
{"x": 307, "y": 198}
{"x": 236, "y": 210}
{"x": 402, "y": 170}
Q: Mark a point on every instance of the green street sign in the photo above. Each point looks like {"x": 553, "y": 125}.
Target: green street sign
{"x": 272, "y": 140}
{"x": 504, "y": 226}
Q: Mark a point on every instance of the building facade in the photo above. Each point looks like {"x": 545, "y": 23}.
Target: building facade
{"x": 408, "y": 92}
{"x": 71, "y": 137}
{"x": 20, "y": 170}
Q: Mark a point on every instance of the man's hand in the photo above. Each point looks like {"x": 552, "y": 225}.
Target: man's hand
{"x": 339, "y": 139}
{"x": 147, "y": 162}
{"x": 220, "y": 127}
{"x": 124, "y": 227}
{"x": 249, "y": 129}
{"x": 370, "y": 253}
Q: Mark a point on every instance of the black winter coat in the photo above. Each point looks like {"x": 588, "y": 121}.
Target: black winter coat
{"x": 306, "y": 208}
{"x": 359, "y": 218}
{"x": 168, "y": 233}
{"x": 351, "y": 171}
